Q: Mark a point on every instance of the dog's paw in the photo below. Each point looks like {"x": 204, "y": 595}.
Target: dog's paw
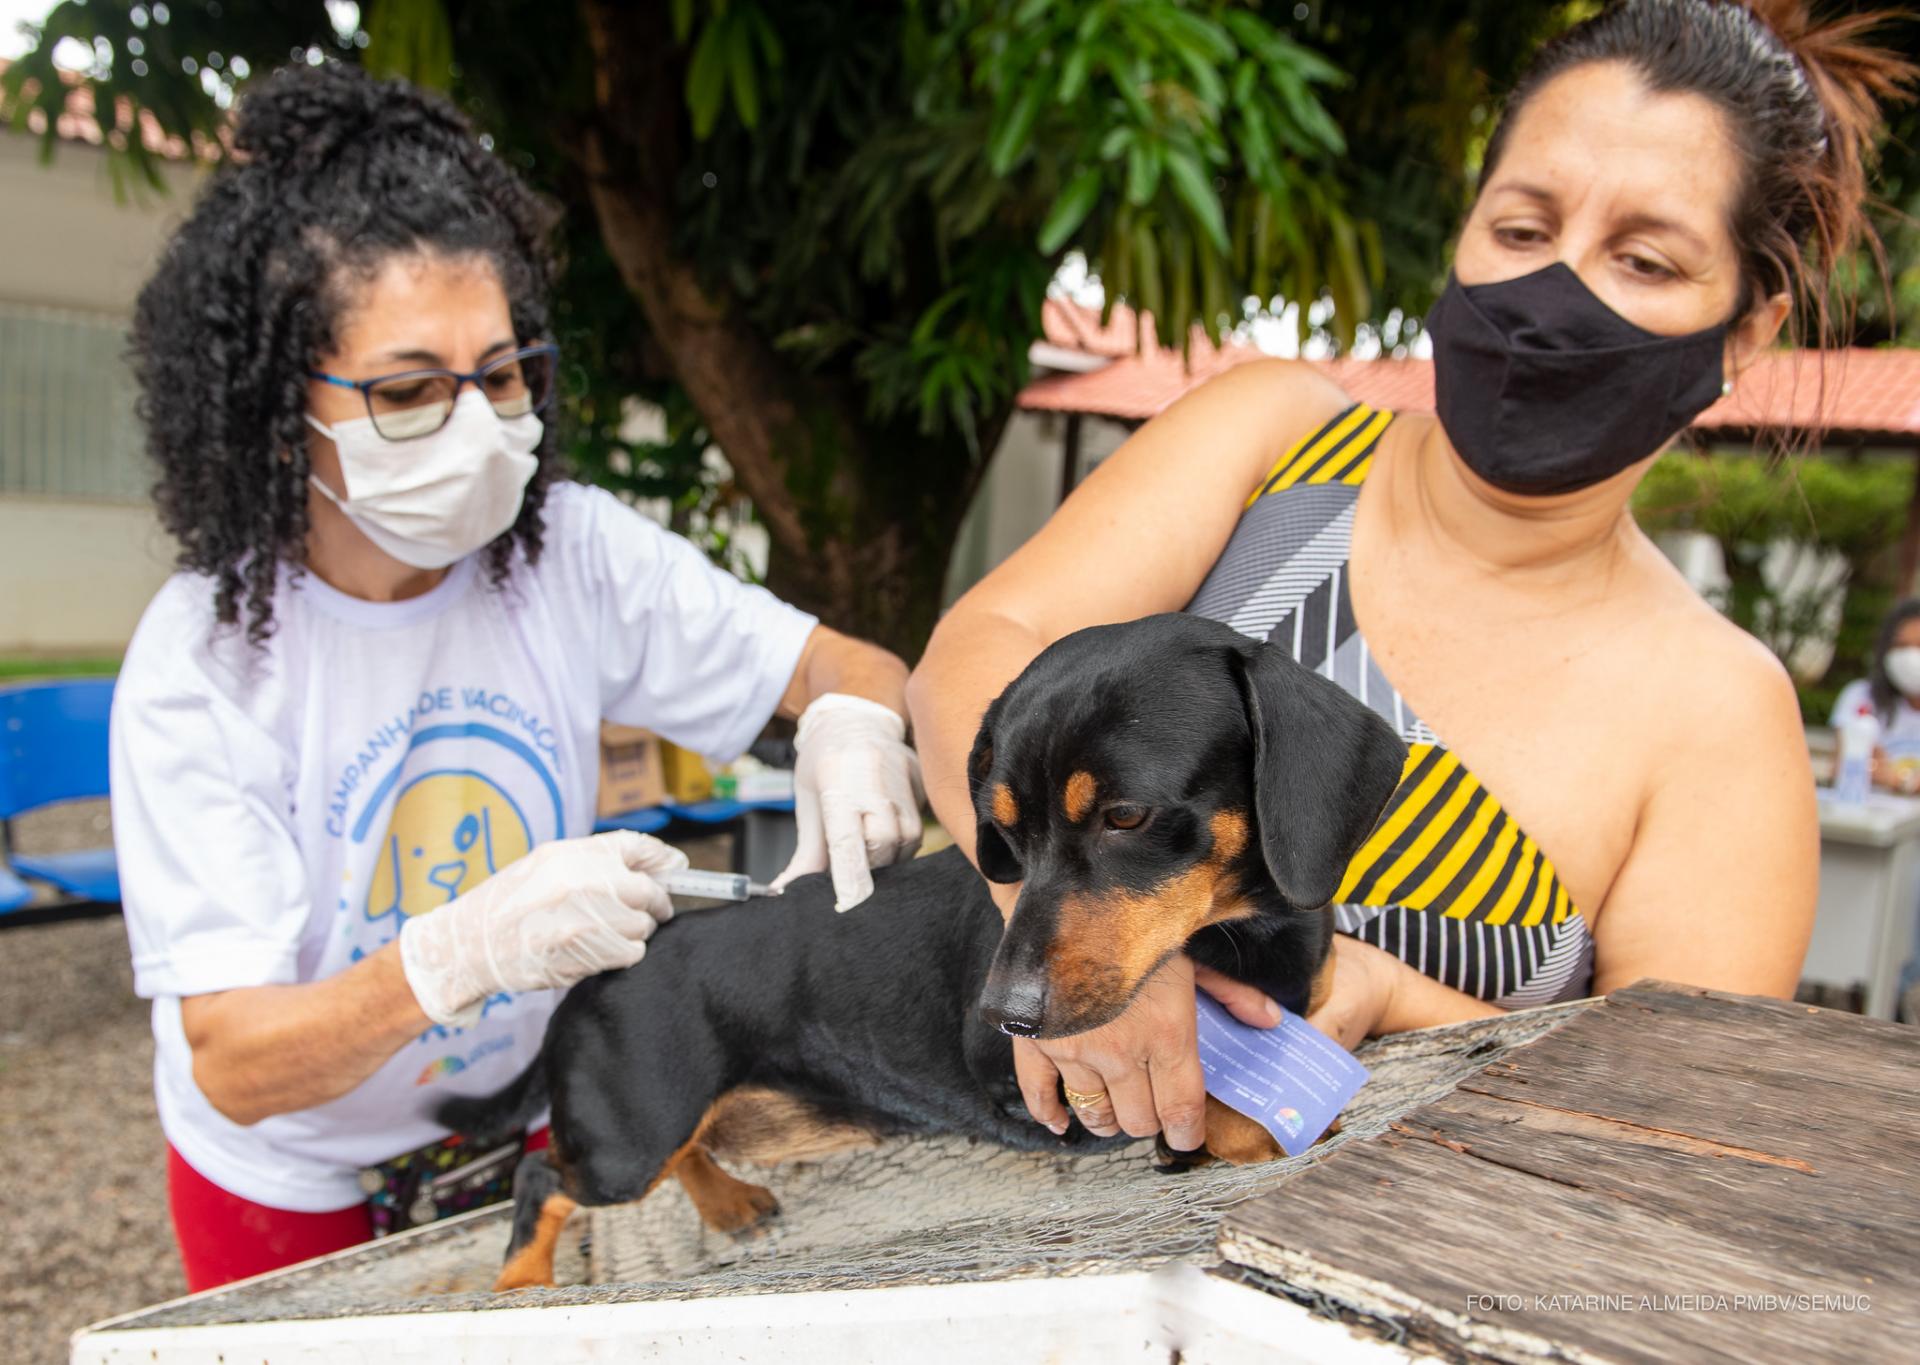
{"x": 741, "y": 1210}
{"x": 1169, "y": 1162}
{"x": 523, "y": 1273}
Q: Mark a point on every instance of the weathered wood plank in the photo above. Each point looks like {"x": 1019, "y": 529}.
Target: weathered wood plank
{"x": 1672, "y": 1143}
{"x": 1717, "y": 1066}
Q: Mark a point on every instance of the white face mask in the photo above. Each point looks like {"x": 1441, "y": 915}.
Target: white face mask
{"x": 438, "y": 498}
{"x": 1903, "y": 667}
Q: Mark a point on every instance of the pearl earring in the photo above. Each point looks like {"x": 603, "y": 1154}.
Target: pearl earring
{"x": 1726, "y": 387}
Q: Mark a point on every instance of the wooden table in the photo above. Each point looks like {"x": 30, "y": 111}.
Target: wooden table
{"x": 1503, "y": 1190}
{"x": 1672, "y": 1175}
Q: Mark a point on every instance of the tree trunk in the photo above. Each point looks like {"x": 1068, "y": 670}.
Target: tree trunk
{"x": 854, "y": 540}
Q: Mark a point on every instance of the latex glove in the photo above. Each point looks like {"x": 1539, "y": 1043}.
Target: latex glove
{"x": 856, "y": 794}
{"x": 568, "y": 909}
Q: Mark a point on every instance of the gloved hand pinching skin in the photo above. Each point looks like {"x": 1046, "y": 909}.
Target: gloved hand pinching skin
{"x": 565, "y": 911}
{"x": 856, "y": 794}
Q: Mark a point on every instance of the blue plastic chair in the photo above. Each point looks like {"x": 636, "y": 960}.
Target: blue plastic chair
{"x": 721, "y": 812}
{"x": 53, "y": 747}
{"x": 646, "y": 820}
{"x": 14, "y": 893}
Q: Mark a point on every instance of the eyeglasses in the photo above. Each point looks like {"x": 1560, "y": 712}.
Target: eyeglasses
{"x": 418, "y": 403}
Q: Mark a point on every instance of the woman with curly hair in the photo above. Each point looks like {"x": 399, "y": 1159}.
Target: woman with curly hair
{"x": 378, "y": 678}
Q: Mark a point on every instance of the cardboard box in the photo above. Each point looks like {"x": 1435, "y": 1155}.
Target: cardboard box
{"x": 688, "y": 778}
{"x": 632, "y": 772}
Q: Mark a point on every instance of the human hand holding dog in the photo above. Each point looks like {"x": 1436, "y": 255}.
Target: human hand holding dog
{"x": 1145, "y": 1064}
{"x": 565, "y": 911}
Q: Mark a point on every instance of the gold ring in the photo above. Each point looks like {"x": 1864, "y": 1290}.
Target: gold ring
{"x": 1079, "y": 1101}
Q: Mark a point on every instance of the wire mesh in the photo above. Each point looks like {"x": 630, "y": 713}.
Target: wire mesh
{"x": 938, "y": 1210}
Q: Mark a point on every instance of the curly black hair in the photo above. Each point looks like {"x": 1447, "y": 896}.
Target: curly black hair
{"x": 333, "y": 173}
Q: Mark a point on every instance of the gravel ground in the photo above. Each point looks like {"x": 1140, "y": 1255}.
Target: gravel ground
{"x": 86, "y": 1165}
{"x": 85, "y": 1186}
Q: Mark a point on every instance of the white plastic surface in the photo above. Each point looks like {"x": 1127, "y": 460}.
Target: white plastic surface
{"x": 1176, "y": 1312}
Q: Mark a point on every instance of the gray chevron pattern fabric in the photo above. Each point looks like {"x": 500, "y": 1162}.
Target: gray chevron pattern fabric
{"x": 1448, "y": 882}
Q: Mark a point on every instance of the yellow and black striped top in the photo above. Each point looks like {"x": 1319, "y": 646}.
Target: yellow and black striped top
{"x": 1447, "y": 881}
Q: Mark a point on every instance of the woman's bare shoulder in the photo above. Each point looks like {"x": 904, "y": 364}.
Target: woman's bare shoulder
{"x": 1722, "y": 687}
{"x": 1296, "y": 389}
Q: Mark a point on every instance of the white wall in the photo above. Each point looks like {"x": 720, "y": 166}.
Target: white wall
{"x": 64, "y": 240}
{"x": 75, "y": 573}
{"x": 75, "y": 576}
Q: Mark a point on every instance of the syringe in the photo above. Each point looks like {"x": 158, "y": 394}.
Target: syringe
{"x": 715, "y": 886}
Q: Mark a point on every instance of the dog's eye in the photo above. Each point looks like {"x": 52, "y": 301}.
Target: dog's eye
{"x": 1126, "y": 817}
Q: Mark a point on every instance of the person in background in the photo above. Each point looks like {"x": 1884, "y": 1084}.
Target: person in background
{"x": 1607, "y": 780}
{"x": 355, "y": 739}
{"x": 1892, "y": 692}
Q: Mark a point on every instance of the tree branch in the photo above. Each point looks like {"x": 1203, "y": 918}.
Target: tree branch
{"x": 732, "y": 376}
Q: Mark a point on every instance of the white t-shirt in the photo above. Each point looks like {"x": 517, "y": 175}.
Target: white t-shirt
{"x": 278, "y": 811}
{"x": 1901, "y": 739}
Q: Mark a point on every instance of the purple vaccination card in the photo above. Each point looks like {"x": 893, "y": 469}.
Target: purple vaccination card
{"x": 1292, "y": 1078}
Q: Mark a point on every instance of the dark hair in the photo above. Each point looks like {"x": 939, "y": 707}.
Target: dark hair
{"x": 332, "y": 174}
{"x": 1802, "y": 101}
{"x": 1885, "y": 695}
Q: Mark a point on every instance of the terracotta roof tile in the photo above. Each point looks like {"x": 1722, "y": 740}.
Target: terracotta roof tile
{"x": 76, "y": 123}
{"x": 1866, "y": 392}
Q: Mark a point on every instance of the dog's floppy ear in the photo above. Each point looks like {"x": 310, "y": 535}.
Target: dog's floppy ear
{"x": 1324, "y": 767}
{"x": 991, "y": 852}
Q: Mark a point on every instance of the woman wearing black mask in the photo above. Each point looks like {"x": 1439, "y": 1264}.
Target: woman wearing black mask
{"x": 1608, "y": 780}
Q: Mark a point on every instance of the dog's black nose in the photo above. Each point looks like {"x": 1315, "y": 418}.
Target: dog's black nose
{"x": 1015, "y": 1008}
{"x": 1019, "y": 1028}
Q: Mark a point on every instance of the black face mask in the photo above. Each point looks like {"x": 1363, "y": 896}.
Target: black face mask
{"x": 1542, "y": 388}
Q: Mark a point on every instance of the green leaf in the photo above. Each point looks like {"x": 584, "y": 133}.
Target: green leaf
{"x": 1116, "y": 259}
{"x": 771, "y": 52}
{"x": 1144, "y": 163}
{"x": 1203, "y": 37}
{"x": 1260, "y": 274}
{"x": 1215, "y": 301}
{"x": 1010, "y": 139}
{"x": 1070, "y": 210}
{"x": 1073, "y": 76}
{"x": 746, "y": 85}
{"x": 1177, "y": 327}
{"x": 1029, "y": 14}
{"x": 1152, "y": 293}
{"x": 410, "y": 39}
{"x": 707, "y": 79}
{"x": 1244, "y": 76}
{"x": 682, "y": 20}
{"x": 1194, "y": 188}
{"x": 929, "y": 320}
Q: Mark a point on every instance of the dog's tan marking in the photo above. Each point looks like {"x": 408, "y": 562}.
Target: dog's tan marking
{"x": 1005, "y": 809}
{"x": 1236, "y": 1139}
{"x": 533, "y": 1263}
{"x": 725, "y": 1202}
{"x": 1106, "y": 945}
{"x": 1077, "y": 797}
{"x": 1229, "y": 835}
{"x": 754, "y": 1123}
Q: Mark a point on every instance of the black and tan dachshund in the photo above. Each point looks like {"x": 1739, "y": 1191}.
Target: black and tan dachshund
{"x": 1158, "y": 786}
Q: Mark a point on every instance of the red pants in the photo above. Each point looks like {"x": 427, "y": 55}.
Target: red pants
{"x": 224, "y": 1238}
